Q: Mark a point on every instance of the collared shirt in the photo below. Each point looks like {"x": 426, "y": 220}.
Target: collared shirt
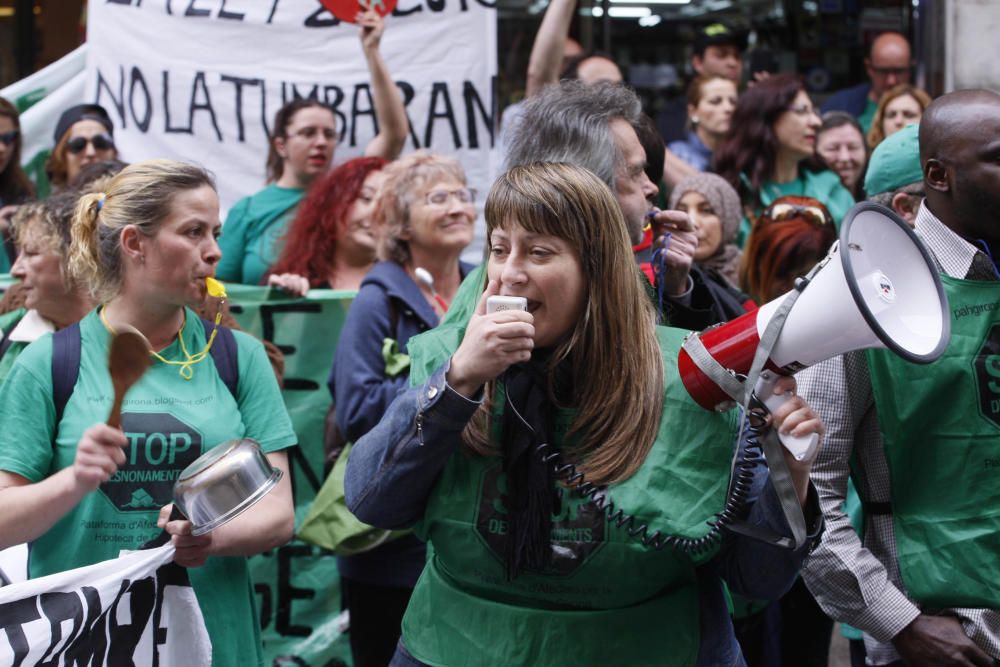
{"x": 859, "y": 583}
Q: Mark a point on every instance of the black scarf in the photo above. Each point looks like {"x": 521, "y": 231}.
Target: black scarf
{"x": 531, "y": 494}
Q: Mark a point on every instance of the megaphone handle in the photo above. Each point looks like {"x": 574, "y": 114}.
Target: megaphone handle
{"x": 803, "y": 448}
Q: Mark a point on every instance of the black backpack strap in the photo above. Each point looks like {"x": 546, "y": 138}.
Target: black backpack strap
{"x": 65, "y": 366}
{"x": 224, "y": 354}
{"x": 5, "y": 341}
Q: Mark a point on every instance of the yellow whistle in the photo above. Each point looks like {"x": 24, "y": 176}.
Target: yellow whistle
{"x": 215, "y": 288}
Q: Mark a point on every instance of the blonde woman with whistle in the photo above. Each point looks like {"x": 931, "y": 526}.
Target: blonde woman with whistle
{"x": 80, "y": 491}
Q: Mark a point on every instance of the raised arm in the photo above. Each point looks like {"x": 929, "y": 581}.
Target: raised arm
{"x": 547, "y": 51}
{"x": 393, "y": 126}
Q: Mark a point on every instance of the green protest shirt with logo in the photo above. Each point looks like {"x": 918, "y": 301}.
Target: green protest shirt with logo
{"x": 602, "y": 585}
{"x": 169, "y": 422}
{"x": 251, "y": 236}
{"x": 941, "y": 427}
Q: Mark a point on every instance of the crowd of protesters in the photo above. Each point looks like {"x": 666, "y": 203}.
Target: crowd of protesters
{"x": 455, "y": 414}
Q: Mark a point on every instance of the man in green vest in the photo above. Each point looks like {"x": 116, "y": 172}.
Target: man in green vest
{"x": 921, "y": 442}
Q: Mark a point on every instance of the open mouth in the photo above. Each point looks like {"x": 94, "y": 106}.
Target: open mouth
{"x": 533, "y": 305}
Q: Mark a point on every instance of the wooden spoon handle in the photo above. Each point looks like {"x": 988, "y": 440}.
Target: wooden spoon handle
{"x": 115, "y": 418}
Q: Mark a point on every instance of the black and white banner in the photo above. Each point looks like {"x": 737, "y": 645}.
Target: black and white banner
{"x": 201, "y": 79}
{"x": 138, "y": 609}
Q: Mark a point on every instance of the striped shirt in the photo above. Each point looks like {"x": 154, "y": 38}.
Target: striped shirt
{"x": 859, "y": 583}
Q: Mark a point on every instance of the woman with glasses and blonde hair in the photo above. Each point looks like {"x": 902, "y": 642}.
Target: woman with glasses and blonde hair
{"x": 84, "y": 135}
{"x": 78, "y": 490}
{"x": 424, "y": 216}
{"x": 790, "y": 236}
{"x": 506, "y": 425}
{"x": 774, "y": 130}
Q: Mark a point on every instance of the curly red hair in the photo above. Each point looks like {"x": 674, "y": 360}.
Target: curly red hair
{"x": 311, "y": 240}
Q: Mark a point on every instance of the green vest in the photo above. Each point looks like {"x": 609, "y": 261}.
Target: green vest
{"x": 605, "y": 599}
{"x": 941, "y": 428}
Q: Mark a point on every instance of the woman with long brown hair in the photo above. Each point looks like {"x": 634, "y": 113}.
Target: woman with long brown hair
{"x": 774, "y": 130}
{"x": 558, "y": 468}
{"x": 15, "y": 186}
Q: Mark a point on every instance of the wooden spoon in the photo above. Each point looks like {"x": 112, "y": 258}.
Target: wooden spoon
{"x": 128, "y": 360}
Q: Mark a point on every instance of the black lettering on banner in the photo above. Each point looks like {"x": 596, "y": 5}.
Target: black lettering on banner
{"x": 167, "y": 127}
{"x": 81, "y": 649}
{"x": 321, "y": 18}
{"x": 287, "y": 593}
{"x": 199, "y": 83}
{"x": 337, "y": 95}
{"x": 13, "y": 615}
{"x": 408, "y": 94}
{"x": 265, "y": 601}
{"x": 399, "y": 11}
{"x": 297, "y": 458}
{"x": 435, "y": 5}
{"x": 472, "y": 99}
{"x": 238, "y": 83}
{"x": 193, "y": 11}
{"x": 137, "y": 78}
{"x": 487, "y": 3}
{"x": 119, "y": 2}
{"x": 141, "y": 600}
{"x": 57, "y": 608}
{"x": 296, "y": 95}
{"x": 274, "y": 8}
{"x": 357, "y": 111}
{"x": 440, "y": 90}
{"x": 232, "y": 16}
{"x": 118, "y": 103}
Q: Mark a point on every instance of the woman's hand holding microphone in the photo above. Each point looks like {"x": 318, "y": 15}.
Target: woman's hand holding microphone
{"x": 493, "y": 342}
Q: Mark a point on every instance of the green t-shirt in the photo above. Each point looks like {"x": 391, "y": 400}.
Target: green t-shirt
{"x": 14, "y": 348}
{"x": 169, "y": 422}
{"x": 868, "y": 115}
{"x": 823, "y": 186}
{"x": 251, "y": 236}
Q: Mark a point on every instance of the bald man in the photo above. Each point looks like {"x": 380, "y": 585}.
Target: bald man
{"x": 888, "y": 63}
{"x": 922, "y": 443}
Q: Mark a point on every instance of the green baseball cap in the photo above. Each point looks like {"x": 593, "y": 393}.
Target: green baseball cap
{"x": 895, "y": 162}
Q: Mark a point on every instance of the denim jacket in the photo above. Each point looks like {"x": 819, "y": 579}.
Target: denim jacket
{"x": 390, "y": 476}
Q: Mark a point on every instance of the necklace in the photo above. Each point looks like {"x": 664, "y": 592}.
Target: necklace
{"x": 185, "y": 370}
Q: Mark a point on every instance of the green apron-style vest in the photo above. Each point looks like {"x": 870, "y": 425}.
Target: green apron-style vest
{"x": 941, "y": 428}
{"x": 605, "y": 598}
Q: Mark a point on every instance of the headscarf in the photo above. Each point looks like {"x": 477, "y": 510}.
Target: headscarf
{"x": 726, "y": 203}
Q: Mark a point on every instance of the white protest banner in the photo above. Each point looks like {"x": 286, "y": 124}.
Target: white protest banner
{"x": 138, "y": 609}
{"x": 40, "y": 98}
{"x": 201, "y": 80}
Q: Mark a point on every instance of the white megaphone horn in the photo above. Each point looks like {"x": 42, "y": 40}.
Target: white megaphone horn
{"x": 877, "y": 288}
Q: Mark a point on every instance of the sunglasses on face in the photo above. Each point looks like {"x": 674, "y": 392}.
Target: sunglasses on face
{"x": 101, "y": 142}
{"x": 783, "y": 212}
{"x": 9, "y": 138}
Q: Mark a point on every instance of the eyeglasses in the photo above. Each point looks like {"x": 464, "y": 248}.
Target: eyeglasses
{"x": 782, "y": 212}
{"x": 803, "y": 110}
{"x": 886, "y": 71}
{"x": 101, "y": 142}
{"x": 440, "y": 197}
{"x": 9, "y": 137}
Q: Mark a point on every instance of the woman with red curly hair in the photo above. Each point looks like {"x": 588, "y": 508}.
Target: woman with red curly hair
{"x": 789, "y": 237}
{"x": 331, "y": 242}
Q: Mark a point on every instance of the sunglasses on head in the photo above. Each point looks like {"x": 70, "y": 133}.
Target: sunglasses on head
{"x": 101, "y": 142}
{"x": 9, "y": 137}
{"x": 782, "y": 212}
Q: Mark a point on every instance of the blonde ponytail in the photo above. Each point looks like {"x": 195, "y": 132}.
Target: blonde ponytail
{"x": 141, "y": 196}
{"x": 84, "y": 252}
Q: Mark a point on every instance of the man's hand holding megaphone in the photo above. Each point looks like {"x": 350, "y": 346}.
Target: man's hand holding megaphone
{"x": 794, "y": 417}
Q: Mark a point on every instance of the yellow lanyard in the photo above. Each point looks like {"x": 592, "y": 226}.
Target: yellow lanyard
{"x": 215, "y": 289}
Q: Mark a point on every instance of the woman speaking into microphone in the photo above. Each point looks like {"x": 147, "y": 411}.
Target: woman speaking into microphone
{"x": 558, "y": 467}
